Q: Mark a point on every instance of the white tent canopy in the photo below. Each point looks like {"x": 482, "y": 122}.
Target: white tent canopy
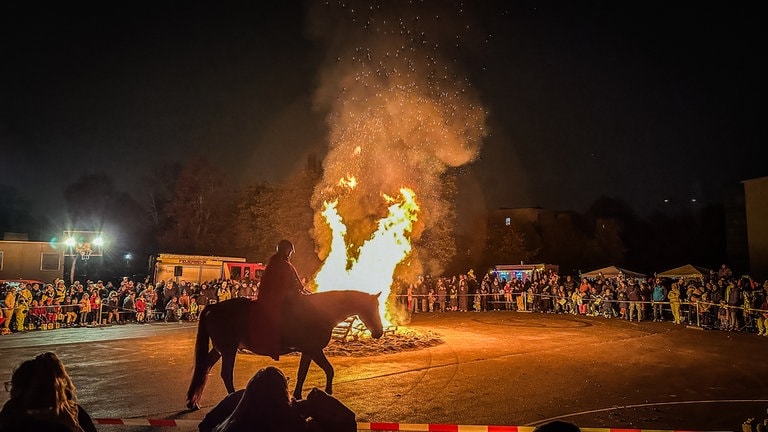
{"x": 686, "y": 271}
{"x": 612, "y": 272}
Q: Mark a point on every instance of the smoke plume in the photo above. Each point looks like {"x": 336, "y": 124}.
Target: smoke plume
{"x": 399, "y": 112}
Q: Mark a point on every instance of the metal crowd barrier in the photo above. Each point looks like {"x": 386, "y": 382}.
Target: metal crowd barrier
{"x": 513, "y": 305}
{"x": 150, "y": 315}
{"x": 746, "y": 310}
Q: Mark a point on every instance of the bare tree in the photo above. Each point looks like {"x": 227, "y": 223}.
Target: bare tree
{"x": 201, "y": 213}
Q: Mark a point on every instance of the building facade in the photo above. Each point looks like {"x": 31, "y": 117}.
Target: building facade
{"x": 756, "y": 204}
{"x": 41, "y": 261}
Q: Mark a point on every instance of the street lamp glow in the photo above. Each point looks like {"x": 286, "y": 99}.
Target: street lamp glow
{"x": 70, "y": 241}
{"x": 98, "y": 241}
{"x": 128, "y": 256}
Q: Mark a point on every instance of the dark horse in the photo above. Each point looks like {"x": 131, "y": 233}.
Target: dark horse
{"x": 307, "y": 326}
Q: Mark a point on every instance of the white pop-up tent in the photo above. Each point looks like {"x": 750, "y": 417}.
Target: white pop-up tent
{"x": 686, "y": 271}
{"x": 612, "y": 272}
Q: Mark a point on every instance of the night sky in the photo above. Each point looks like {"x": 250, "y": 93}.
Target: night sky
{"x": 643, "y": 101}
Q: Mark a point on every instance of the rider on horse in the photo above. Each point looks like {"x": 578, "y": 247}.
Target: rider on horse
{"x": 280, "y": 285}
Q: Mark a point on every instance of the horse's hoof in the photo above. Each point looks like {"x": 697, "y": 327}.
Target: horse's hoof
{"x": 193, "y": 406}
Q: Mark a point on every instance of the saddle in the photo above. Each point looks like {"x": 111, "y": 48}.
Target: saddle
{"x": 266, "y": 327}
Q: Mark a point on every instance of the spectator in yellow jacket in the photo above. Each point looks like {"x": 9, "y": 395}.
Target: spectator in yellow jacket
{"x": 674, "y": 302}
{"x": 10, "y": 304}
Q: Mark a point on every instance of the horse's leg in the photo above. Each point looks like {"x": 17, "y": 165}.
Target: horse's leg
{"x": 325, "y": 365}
{"x": 198, "y": 382}
{"x": 228, "y": 368}
{"x": 302, "y": 374}
{"x": 213, "y": 357}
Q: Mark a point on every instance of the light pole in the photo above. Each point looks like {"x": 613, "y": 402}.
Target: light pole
{"x": 128, "y": 257}
{"x": 82, "y": 245}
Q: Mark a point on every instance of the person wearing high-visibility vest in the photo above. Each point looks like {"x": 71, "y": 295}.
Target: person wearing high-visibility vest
{"x": 10, "y": 304}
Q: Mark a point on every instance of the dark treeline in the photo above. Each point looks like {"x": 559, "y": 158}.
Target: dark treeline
{"x": 194, "y": 208}
{"x": 608, "y": 233}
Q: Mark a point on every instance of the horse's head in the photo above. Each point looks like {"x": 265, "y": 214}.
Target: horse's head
{"x": 370, "y": 316}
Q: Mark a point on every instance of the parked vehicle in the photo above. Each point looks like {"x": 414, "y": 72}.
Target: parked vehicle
{"x": 200, "y": 268}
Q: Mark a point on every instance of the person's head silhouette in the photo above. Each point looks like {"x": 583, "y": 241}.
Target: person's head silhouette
{"x": 557, "y": 426}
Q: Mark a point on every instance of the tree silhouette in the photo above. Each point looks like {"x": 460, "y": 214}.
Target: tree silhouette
{"x": 202, "y": 212}
{"x": 506, "y": 244}
{"x": 158, "y": 188}
{"x": 256, "y": 226}
{"x": 295, "y": 218}
{"x": 268, "y": 213}
{"x": 564, "y": 242}
{"x": 606, "y": 246}
{"x": 613, "y": 224}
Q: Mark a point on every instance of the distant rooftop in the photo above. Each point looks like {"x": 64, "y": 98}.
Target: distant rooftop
{"x": 15, "y": 236}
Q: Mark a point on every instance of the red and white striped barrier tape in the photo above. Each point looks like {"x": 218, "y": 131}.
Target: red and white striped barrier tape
{"x": 147, "y": 422}
{"x": 379, "y": 427}
{"x": 475, "y": 428}
{"x": 438, "y": 428}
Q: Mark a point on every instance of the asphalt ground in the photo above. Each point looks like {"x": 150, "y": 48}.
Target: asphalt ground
{"x": 494, "y": 368}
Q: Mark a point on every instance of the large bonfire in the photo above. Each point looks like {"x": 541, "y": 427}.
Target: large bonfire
{"x": 399, "y": 116}
{"x": 377, "y": 258}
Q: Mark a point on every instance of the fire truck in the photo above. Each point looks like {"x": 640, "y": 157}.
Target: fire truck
{"x": 202, "y": 268}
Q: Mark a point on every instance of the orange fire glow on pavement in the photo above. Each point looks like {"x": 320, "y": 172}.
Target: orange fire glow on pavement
{"x": 373, "y": 269}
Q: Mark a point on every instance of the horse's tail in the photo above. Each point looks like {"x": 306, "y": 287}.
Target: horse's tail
{"x": 200, "y": 374}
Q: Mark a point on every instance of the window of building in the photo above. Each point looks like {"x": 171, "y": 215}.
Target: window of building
{"x": 50, "y": 262}
{"x": 508, "y": 221}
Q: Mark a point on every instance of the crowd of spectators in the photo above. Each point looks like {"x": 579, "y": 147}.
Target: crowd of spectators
{"x": 35, "y": 306}
{"x": 716, "y": 300}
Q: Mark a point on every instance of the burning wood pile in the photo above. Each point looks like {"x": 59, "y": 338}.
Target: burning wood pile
{"x": 395, "y": 339}
{"x": 353, "y": 329}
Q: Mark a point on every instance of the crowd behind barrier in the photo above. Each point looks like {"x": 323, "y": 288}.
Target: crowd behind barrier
{"x": 56, "y": 305}
{"x": 716, "y": 301}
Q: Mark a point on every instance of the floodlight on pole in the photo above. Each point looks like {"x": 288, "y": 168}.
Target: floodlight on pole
{"x": 81, "y": 246}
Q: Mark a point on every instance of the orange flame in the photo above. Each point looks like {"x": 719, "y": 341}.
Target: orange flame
{"x": 373, "y": 269}
{"x": 349, "y": 182}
